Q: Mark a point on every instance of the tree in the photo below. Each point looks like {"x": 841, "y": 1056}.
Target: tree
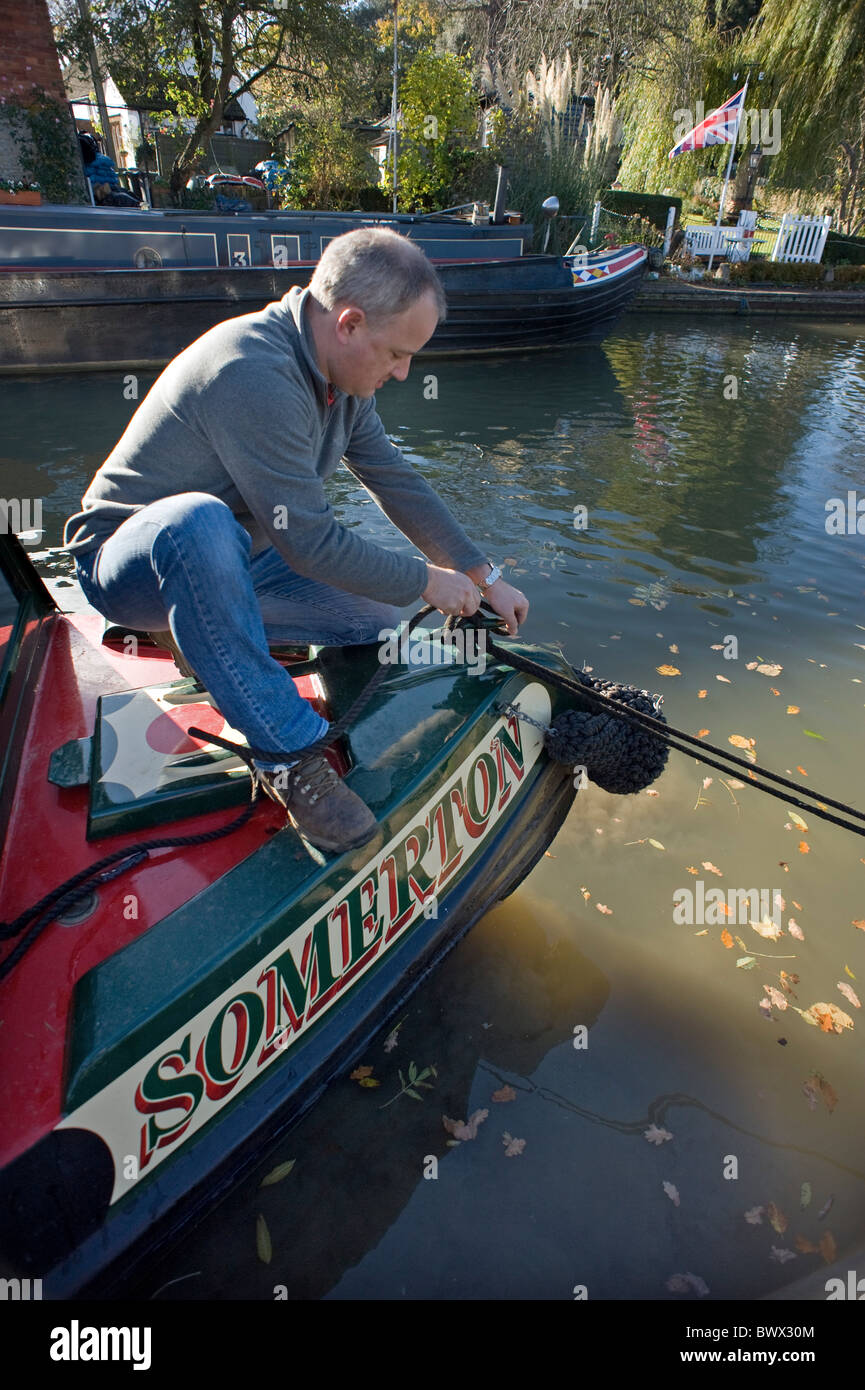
{"x": 188, "y": 58}
{"x": 439, "y": 125}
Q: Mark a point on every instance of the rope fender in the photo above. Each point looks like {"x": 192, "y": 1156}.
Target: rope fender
{"x": 618, "y": 757}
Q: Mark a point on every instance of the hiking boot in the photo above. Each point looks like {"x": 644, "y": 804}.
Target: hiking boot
{"x": 320, "y": 806}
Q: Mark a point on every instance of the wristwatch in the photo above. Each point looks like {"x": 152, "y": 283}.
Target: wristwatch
{"x": 494, "y": 574}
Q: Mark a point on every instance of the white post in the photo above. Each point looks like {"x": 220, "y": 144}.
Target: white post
{"x": 596, "y": 217}
{"x": 668, "y": 233}
{"x": 730, "y": 160}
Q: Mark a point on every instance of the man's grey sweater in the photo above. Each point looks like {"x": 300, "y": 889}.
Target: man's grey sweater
{"x": 243, "y": 414}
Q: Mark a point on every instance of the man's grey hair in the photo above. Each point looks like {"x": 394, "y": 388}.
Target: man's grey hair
{"x": 378, "y": 271}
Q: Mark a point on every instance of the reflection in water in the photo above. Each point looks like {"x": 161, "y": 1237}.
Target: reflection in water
{"x": 704, "y": 458}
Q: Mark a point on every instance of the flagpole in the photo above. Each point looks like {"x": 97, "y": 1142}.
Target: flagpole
{"x": 730, "y": 161}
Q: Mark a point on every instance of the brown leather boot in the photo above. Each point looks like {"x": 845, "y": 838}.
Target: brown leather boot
{"x": 319, "y": 805}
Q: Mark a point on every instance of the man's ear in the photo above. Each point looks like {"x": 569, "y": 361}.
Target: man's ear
{"x": 348, "y": 321}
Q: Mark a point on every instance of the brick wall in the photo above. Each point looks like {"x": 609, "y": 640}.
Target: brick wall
{"x": 29, "y": 59}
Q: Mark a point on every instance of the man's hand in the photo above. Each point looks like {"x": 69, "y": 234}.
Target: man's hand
{"x": 452, "y": 592}
{"x": 509, "y": 603}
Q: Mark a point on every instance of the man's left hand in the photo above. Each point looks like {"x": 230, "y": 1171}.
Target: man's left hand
{"x": 509, "y": 603}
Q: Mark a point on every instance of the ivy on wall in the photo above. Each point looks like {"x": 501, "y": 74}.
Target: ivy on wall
{"x": 47, "y": 146}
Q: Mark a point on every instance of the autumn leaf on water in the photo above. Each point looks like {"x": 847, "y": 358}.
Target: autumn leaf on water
{"x": 513, "y": 1147}
{"x": 712, "y": 868}
{"x": 800, "y": 768}
{"x": 810, "y": 1095}
{"x": 607, "y": 911}
{"x": 767, "y": 928}
{"x": 656, "y": 844}
{"x": 765, "y": 1009}
{"x": 739, "y": 741}
{"x": 262, "y": 1241}
{"x": 667, "y": 670}
{"x": 805, "y": 1196}
{"x": 277, "y": 1174}
{"x": 746, "y": 962}
{"x": 787, "y": 983}
{"x": 701, "y": 695}
{"x": 781, "y": 1255}
{"x": 359, "y": 1073}
{"x": 829, "y": 1017}
{"x": 818, "y": 1085}
{"x": 828, "y": 1248}
{"x": 465, "y": 1129}
{"x": 777, "y": 1219}
{"x": 505, "y": 1094}
{"x": 674, "y": 649}
{"x": 369, "y": 1082}
{"x": 806, "y": 1246}
{"x": 691, "y": 869}
{"x": 727, "y": 940}
{"x": 769, "y": 670}
{"x": 777, "y": 998}
{"x": 812, "y": 734}
{"x": 795, "y": 930}
{"x": 774, "y": 691}
{"x": 848, "y": 971}
{"x": 799, "y": 822}
{"x": 672, "y": 1192}
{"x": 701, "y": 733}
{"x": 849, "y": 993}
{"x": 804, "y": 847}
{"x": 754, "y": 1216}
{"x": 860, "y": 924}
{"x": 656, "y": 1135}
{"x": 724, "y": 679}
{"x": 793, "y": 709}
{"x": 686, "y": 1283}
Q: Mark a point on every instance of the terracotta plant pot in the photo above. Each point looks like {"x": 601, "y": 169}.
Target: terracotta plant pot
{"x": 28, "y": 198}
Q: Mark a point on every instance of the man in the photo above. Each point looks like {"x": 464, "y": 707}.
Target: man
{"x": 209, "y": 517}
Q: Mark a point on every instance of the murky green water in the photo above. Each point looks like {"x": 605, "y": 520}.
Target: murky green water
{"x": 706, "y": 514}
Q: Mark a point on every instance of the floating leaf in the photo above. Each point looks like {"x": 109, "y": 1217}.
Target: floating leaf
{"x": 810, "y": 1095}
{"x": 769, "y": 670}
{"x": 805, "y": 1196}
{"x": 799, "y": 822}
{"x": 701, "y": 695}
{"x": 672, "y": 1192}
{"x": 754, "y": 1217}
{"x": 805, "y": 1246}
{"x": 674, "y": 649}
{"x": 746, "y": 962}
{"x": 800, "y": 768}
{"x": 656, "y": 1135}
{"x": 793, "y": 709}
{"x": 701, "y": 733}
{"x": 848, "y": 971}
{"x": 691, "y": 869}
{"x": 829, "y": 1017}
{"x": 607, "y": 911}
{"x": 777, "y": 1219}
{"x": 795, "y": 930}
{"x": 359, "y": 1073}
{"x": 369, "y": 1082}
{"x": 812, "y": 734}
{"x": 656, "y": 844}
{"x": 724, "y": 679}
{"x": 277, "y": 1174}
{"x": 818, "y": 1085}
{"x": 727, "y": 940}
{"x": 860, "y": 924}
{"x": 739, "y": 741}
{"x": 465, "y": 1129}
{"x": 828, "y": 1248}
{"x": 667, "y": 670}
{"x": 712, "y": 868}
{"x": 775, "y": 995}
{"x": 804, "y": 847}
{"x": 505, "y": 1094}
{"x": 767, "y": 928}
{"x": 849, "y": 993}
{"x": 781, "y": 1255}
{"x": 513, "y": 1147}
{"x": 262, "y": 1241}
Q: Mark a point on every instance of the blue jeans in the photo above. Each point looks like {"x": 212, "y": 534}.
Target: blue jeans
{"x": 183, "y": 563}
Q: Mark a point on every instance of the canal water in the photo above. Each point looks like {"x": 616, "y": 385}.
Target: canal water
{"x": 671, "y": 1103}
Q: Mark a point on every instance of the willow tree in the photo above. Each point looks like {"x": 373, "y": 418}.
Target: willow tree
{"x": 813, "y": 56}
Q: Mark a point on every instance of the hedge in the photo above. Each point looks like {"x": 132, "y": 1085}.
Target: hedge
{"x": 654, "y": 207}
{"x": 757, "y": 272}
{"x": 844, "y": 250}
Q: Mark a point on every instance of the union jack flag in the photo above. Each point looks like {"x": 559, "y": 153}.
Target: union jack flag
{"x": 719, "y": 127}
